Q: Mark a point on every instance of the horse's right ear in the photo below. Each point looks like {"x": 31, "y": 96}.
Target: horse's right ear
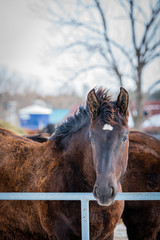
{"x": 93, "y": 104}
{"x": 123, "y": 101}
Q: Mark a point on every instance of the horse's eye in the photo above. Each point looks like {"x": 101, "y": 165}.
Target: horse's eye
{"x": 125, "y": 138}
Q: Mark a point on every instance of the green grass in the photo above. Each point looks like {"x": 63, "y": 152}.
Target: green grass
{"x": 10, "y": 127}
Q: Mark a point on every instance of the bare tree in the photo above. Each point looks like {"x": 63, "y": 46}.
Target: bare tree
{"x": 87, "y": 22}
{"x": 13, "y": 82}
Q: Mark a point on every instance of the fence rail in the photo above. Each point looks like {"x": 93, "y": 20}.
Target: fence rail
{"x": 83, "y": 197}
{"x": 136, "y": 196}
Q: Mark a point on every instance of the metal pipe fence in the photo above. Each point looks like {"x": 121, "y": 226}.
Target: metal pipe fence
{"x": 83, "y": 197}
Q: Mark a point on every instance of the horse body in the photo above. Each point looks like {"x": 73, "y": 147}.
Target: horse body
{"x": 142, "y": 218}
{"x": 67, "y": 162}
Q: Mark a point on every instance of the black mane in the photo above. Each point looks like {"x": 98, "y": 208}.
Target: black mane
{"x": 72, "y": 124}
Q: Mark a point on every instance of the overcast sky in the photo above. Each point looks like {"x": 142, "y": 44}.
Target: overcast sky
{"x": 22, "y": 38}
{"x": 24, "y": 42}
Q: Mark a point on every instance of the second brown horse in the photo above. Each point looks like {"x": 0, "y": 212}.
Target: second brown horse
{"x": 142, "y": 218}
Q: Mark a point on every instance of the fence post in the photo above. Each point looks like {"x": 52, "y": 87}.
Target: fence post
{"x": 85, "y": 219}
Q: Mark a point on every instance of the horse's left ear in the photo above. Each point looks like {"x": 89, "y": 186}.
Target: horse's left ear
{"x": 123, "y": 101}
{"x": 93, "y": 104}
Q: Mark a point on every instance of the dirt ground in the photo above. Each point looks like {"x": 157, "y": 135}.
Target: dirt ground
{"x": 120, "y": 232}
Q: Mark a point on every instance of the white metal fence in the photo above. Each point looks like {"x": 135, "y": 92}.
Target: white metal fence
{"x": 83, "y": 197}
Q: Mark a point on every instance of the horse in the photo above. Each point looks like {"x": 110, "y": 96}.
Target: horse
{"x": 49, "y": 129}
{"x": 86, "y": 153}
{"x": 142, "y": 218}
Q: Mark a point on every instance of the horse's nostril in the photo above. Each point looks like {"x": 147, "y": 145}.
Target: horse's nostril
{"x": 112, "y": 192}
{"x": 95, "y": 191}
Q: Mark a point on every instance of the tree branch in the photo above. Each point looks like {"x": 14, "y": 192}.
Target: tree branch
{"x": 155, "y": 13}
{"x": 125, "y": 53}
{"x": 157, "y": 44}
{"x": 132, "y": 24}
{"x": 114, "y": 65}
{"x": 102, "y": 17}
{"x": 151, "y": 58}
{"x": 87, "y": 69}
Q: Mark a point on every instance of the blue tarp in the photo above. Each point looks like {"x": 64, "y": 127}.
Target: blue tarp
{"x": 58, "y": 115}
{"x": 34, "y": 117}
{"x": 37, "y": 117}
{"x": 35, "y": 121}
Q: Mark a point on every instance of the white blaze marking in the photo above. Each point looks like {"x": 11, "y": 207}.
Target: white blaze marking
{"x": 107, "y": 127}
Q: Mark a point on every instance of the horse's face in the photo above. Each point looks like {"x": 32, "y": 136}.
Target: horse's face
{"x": 109, "y": 146}
{"x": 110, "y": 154}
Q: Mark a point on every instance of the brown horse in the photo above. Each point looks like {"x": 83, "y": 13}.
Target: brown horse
{"x": 67, "y": 163}
{"x": 142, "y": 218}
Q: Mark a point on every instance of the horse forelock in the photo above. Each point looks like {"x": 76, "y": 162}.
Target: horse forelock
{"x": 108, "y": 110}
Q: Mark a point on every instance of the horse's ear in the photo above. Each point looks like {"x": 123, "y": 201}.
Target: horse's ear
{"x": 93, "y": 104}
{"x": 123, "y": 101}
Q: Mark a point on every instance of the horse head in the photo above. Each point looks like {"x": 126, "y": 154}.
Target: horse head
{"x": 109, "y": 140}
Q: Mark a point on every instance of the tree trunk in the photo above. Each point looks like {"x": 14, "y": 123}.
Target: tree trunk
{"x": 139, "y": 100}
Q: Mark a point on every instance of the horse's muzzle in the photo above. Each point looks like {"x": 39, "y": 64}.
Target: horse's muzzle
{"x": 105, "y": 195}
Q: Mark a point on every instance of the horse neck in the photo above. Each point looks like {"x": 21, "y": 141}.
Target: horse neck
{"x": 77, "y": 161}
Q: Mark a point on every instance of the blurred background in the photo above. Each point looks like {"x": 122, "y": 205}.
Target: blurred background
{"x": 53, "y": 52}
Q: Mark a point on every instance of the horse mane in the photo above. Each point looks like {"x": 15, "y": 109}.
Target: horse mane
{"x": 72, "y": 124}
{"x": 108, "y": 113}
